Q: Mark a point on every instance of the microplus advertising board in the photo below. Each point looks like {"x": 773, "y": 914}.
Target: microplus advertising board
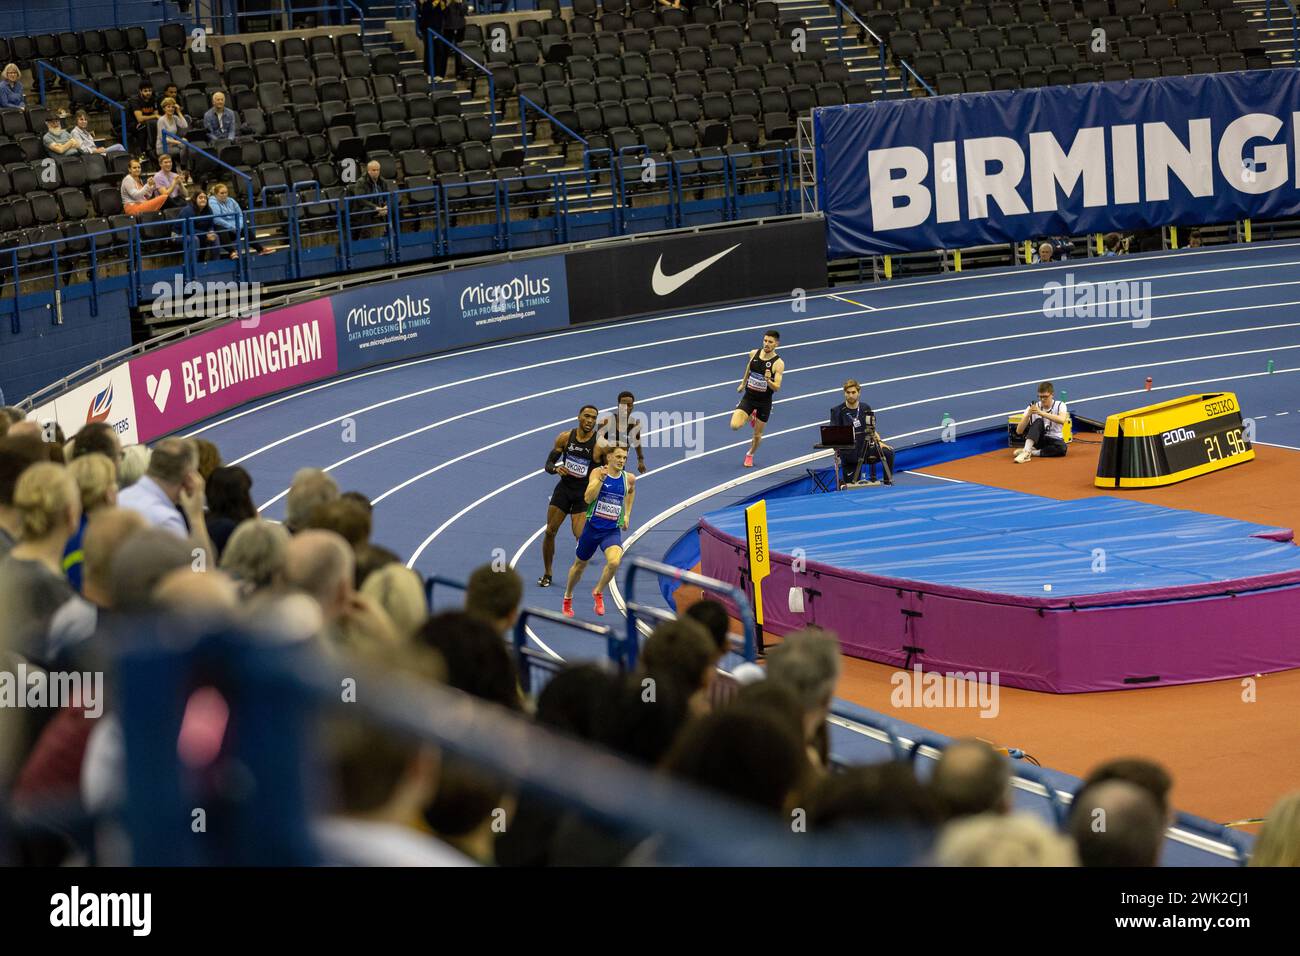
{"x": 434, "y": 313}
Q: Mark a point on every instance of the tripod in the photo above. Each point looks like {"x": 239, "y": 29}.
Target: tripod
{"x": 869, "y": 446}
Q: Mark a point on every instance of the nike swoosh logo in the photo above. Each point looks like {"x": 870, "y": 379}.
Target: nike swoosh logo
{"x": 667, "y": 285}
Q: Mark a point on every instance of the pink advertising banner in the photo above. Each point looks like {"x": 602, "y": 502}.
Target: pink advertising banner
{"x": 209, "y": 373}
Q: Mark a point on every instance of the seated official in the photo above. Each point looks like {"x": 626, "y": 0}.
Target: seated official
{"x": 855, "y": 413}
{"x": 1043, "y": 427}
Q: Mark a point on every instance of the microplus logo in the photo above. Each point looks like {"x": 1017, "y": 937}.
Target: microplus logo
{"x": 502, "y": 296}
{"x": 75, "y": 909}
{"x": 401, "y": 311}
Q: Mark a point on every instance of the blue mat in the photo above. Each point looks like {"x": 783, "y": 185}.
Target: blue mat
{"x": 1005, "y": 542}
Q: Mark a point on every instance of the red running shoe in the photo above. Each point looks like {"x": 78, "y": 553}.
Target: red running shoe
{"x": 567, "y": 607}
{"x": 749, "y": 461}
{"x": 600, "y": 602}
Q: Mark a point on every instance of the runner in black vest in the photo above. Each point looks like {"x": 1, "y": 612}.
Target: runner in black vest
{"x": 763, "y": 372}
{"x": 623, "y": 429}
{"x": 572, "y": 457}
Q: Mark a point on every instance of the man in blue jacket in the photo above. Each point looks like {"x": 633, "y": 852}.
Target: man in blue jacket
{"x": 860, "y": 416}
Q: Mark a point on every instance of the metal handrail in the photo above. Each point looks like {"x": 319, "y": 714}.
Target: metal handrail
{"x": 618, "y": 652}
{"x": 43, "y": 65}
{"x": 735, "y": 594}
{"x": 524, "y": 103}
{"x": 883, "y": 47}
{"x": 168, "y": 137}
{"x": 430, "y": 35}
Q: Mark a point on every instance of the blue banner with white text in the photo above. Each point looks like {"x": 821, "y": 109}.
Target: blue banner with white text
{"x": 952, "y": 171}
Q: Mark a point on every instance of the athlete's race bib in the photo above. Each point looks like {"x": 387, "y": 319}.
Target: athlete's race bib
{"x": 611, "y": 510}
{"x": 757, "y": 383}
{"x": 577, "y": 467}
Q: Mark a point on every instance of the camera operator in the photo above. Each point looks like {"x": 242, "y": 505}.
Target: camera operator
{"x": 867, "y": 444}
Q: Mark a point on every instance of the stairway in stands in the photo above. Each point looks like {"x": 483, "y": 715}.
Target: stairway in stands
{"x": 1278, "y": 39}
{"x": 862, "y": 57}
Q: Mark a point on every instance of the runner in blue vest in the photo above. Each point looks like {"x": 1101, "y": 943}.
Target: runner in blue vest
{"x": 610, "y": 490}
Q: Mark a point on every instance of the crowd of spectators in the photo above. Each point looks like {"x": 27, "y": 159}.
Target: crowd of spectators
{"x": 91, "y": 532}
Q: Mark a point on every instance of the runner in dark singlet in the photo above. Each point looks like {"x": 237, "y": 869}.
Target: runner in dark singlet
{"x": 763, "y": 372}
{"x": 571, "y": 457}
{"x": 622, "y": 428}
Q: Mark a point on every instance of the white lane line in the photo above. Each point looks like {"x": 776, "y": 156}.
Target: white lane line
{"x": 804, "y": 370}
{"x": 701, "y": 335}
{"x": 1273, "y": 444}
{"x": 868, "y": 308}
{"x": 483, "y": 499}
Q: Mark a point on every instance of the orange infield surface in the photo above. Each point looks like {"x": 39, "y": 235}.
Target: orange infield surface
{"x": 1230, "y": 758}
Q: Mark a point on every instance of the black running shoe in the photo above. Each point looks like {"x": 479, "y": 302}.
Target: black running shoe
{"x": 544, "y": 581}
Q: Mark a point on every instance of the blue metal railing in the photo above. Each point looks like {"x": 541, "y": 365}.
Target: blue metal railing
{"x": 617, "y": 649}
{"x": 737, "y": 596}
{"x": 525, "y": 104}
{"x": 42, "y": 67}
{"x": 839, "y": 22}
{"x": 430, "y": 37}
{"x": 193, "y": 148}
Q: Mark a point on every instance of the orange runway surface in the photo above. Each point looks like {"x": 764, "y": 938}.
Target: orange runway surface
{"x": 1230, "y": 758}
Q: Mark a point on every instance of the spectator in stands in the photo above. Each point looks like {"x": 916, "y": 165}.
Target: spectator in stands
{"x": 230, "y": 503}
{"x": 228, "y": 219}
{"x": 885, "y": 793}
{"x": 346, "y": 518}
{"x": 98, "y": 437}
{"x": 682, "y": 652}
{"x": 808, "y": 663}
{"x": 370, "y": 559}
{"x": 494, "y": 596}
{"x": 996, "y": 840}
{"x": 1114, "y": 244}
{"x": 1116, "y": 823}
{"x": 453, "y": 19}
{"x": 222, "y": 125}
{"x": 11, "y": 89}
{"x": 310, "y": 488}
{"x": 1045, "y": 253}
{"x": 96, "y": 478}
{"x": 319, "y": 563}
{"x": 173, "y": 123}
{"x": 57, "y": 140}
{"x": 139, "y": 196}
{"x": 170, "y": 495}
{"x": 744, "y": 753}
{"x": 141, "y": 561}
{"x": 360, "y": 499}
{"x": 86, "y": 140}
{"x": 170, "y": 183}
{"x": 1194, "y": 240}
{"x": 142, "y": 120}
{"x": 135, "y": 462}
{"x": 1142, "y": 773}
{"x": 429, "y": 15}
{"x": 254, "y": 554}
{"x": 76, "y": 620}
{"x": 17, "y": 454}
{"x": 971, "y": 778}
{"x": 475, "y": 656}
{"x": 1278, "y": 843}
{"x": 202, "y": 228}
{"x": 713, "y": 616}
{"x": 400, "y": 592}
{"x": 209, "y": 457}
{"x": 32, "y": 583}
{"x": 371, "y": 213}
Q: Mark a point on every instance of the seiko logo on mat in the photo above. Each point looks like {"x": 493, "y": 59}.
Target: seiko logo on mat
{"x": 667, "y": 285}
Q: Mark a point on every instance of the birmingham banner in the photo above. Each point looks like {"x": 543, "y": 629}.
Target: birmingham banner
{"x": 951, "y": 171}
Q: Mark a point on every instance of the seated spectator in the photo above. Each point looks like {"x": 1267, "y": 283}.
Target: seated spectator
{"x": 209, "y": 457}
{"x": 1117, "y": 823}
{"x": 370, "y": 559}
{"x": 744, "y": 753}
{"x": 201, "y": 228}
{"x": 808, "y": 663}
{"x": 310, "y": 488}
{"x": 32, "y": 583}
{"x": 230, "y": 503}
{"x": 222, "y": 125}
{"x": 884, "y": 793}
{"x": 228, "y": 219}
{"x": 400, "y": 592}
{"x": 142, "y": 119}
{"x": 170, "y": 495}
{"x": 1046, "y": 252}
{"x": 174, "y": 124}
{"x": 135, "y": 462}
{"x": 57, "y": 140}
{"x": 713, "y": 616}
{"x": 86, "y": 140}
{"x": 371, "y": 211}
{"x": 360, "y": 499}
{"x": 1115, "y": 244}
{"x": 76, "y": 620}
{"x": 1000, "y": 840}
{"x": 494, "y": 596}
{"x": 682, "y": 652}
{"x": 476, "y": 658}
{"x": 1278, "y": 843}
{"x": 96, "y": 478}
{"x": 1194, "y": 240}
{"x": 98, "y": 437}
{"x": 11, "y": 89}
{"x": 140, "y": 562}
{"x": 346, "y": 518}
{"x": 17, "y": 454}
{"x": 254, "y": 554}
{"x": 970, "y": 779}
{"x": 468, "y": 808}
{"x": 166, "y": 181}
{"x": 320, "y": 564}
{"x": 1142, "y": 773}
{"x": 139, "y": 196}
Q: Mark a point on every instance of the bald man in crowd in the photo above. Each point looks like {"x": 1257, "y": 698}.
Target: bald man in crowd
{"x": 310, "y": 489}
{"x": 971, "y": 778}
{"x": 321, "y": 564}
{"x": 170, "y": 495}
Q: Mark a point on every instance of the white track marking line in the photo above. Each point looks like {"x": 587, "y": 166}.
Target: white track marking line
{"x": 868, "y": 308}
{"x": 701, "y": 335}
{"x": 867, "y": 358}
